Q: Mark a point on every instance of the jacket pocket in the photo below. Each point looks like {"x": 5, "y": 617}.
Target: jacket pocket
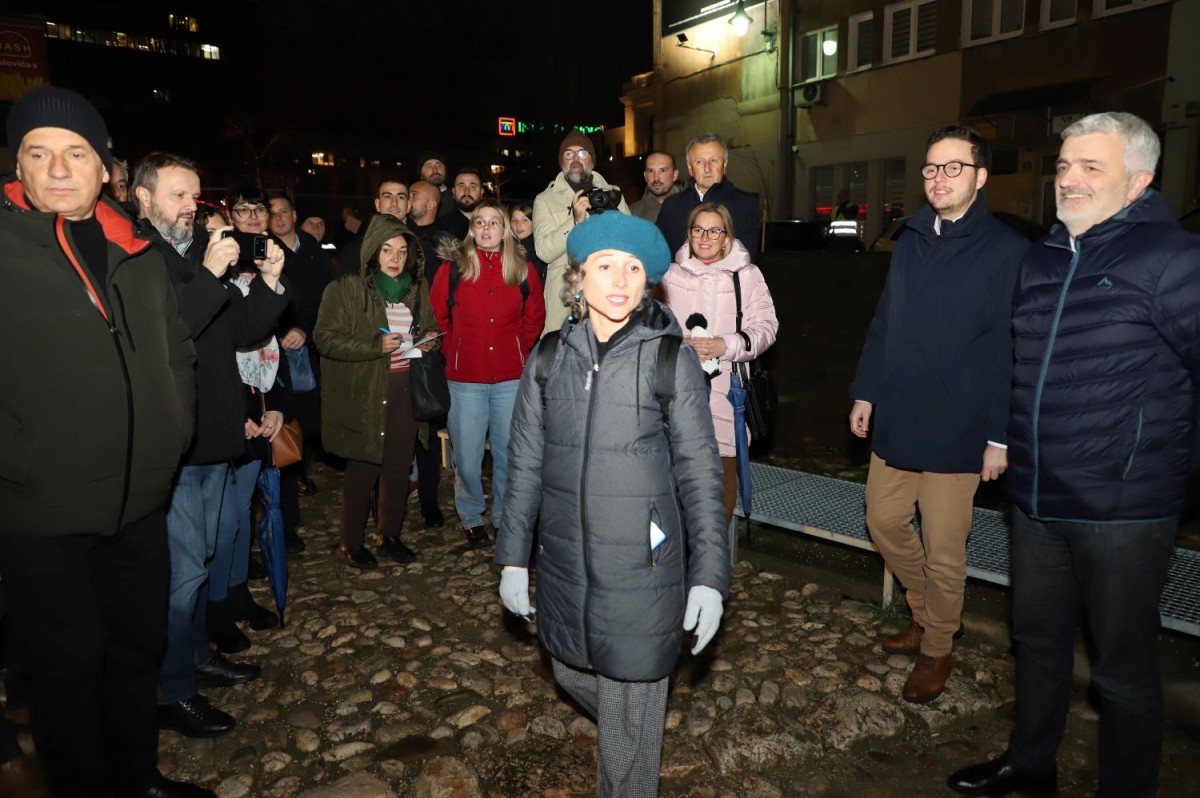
{"x": 1137, "y": 440}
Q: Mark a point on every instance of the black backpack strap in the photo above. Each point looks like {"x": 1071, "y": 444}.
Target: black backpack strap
{"x": 664, "y": 370}
{"x": 455, "y": 276}
{"x": 524, "y": 291}
{"x": 547, "y": 348}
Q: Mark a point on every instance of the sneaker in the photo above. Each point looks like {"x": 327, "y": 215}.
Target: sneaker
{"x": 358, "y": 556}
{"x": 396, "y": 549}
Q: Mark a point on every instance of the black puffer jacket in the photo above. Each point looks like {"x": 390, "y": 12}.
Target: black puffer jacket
{"x": 600, "y": 465}
{"x": 1108, "y": 359}
{"x": 96, "y": 378}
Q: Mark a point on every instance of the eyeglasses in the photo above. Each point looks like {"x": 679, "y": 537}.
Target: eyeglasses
{"x": 481, "y": 223}
{"x": 246, "y": 213}
{"x": 951, "y": 169}
{"x": 572, "y": 155}
{"x": 711, "y": 233}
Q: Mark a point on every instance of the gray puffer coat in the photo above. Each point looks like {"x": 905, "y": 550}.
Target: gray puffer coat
{"x": 600, "y": 465}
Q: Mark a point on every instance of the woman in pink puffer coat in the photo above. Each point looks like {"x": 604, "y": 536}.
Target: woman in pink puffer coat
{"x": 700, "y": 281}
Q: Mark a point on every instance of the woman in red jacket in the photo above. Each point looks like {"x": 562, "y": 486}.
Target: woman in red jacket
{"x": 488, "y": 300}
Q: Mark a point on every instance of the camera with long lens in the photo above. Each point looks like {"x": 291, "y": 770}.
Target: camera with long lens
{"x": 604, "y": 199}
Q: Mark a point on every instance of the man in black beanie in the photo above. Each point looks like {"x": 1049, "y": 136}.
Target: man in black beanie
{"x": 432, "y": 168}
{"x": 98, "y": 407}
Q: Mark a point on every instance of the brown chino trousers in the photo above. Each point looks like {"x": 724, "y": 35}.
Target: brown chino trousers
{"x": 931, "y": 566}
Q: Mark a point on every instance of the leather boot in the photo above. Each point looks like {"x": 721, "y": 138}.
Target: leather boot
{"x": 906, "y": 642}
{"x": 928, "y": 679}
{"x": 20, "y": 777}
{"x": 243, "y": 607}
{"x": 222, "y": 631}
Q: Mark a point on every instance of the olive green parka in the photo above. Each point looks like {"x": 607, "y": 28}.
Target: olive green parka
{"x": 354, "y": 368}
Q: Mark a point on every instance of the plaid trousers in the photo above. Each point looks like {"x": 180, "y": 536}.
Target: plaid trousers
{"x": 630, "y": 718}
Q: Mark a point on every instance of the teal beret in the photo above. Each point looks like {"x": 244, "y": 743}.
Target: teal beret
{"x": 615, "y": 230}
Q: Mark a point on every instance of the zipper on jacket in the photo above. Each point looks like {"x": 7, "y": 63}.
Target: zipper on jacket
{"x": 587, "y": 440}
{"x": 1041, "y": 381}
{"x": 124, "y": 317}
{"x": 1137, "y": 441}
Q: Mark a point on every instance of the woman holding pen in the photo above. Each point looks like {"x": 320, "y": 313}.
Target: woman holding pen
{"x": 366, "y": 328}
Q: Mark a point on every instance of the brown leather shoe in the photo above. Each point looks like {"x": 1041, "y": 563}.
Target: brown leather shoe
{"x": 906, "y": 642}
{"x": 21, "y": 778}
{"x": 928, "y": 679}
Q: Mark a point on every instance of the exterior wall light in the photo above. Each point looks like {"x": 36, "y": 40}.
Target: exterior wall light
{"x": 740, "y": 19}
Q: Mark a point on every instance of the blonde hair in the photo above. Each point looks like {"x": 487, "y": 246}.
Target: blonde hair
{"x": 726, "y": 220}
{"x": 512, "y": 260}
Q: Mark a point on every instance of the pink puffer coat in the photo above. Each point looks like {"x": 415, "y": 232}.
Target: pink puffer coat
{"x": 692, "y": 286}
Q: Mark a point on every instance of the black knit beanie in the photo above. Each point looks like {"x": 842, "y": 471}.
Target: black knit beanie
{"x": 50, "y": 106}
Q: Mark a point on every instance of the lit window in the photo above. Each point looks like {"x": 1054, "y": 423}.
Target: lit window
{"x": 210, "y": 52}
{"x": 52, "y": 30}
{"x": 818, "y": 54}
{"x": 862, "y": 41}
{"x": 322, "y": 159}
{"x": 909, "y": 30}
{"x": 1056, "y": 13}
{"x": 121, "y": 39}
{"x": 1103, "y": 8}
{"x": 989, "y": 20}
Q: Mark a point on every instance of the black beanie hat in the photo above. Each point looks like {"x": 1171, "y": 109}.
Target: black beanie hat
{"x": 431, "y": 155}
{"x": 50, "y": 106}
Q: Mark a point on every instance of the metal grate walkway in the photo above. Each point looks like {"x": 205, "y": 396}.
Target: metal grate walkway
{"x": 834, "y": 509}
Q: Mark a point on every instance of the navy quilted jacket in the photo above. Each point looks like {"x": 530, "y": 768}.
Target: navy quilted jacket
{"x": 1107, "y": 339}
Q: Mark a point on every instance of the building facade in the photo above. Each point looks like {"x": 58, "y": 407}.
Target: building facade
{"x": 834, "y": 95}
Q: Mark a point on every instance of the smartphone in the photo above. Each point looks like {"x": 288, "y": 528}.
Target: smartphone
{"x": 253, "y": 245}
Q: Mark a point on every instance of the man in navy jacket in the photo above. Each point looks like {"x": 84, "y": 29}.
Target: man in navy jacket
{"x": 935, "y": 373}
{"x": 707, "y": 160}
{"x": 1106, "y": 320}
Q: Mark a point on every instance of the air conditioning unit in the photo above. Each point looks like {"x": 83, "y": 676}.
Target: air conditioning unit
{"x": 811, "y": 94}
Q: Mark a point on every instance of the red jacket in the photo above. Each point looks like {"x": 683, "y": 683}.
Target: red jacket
{"x": 491, "y": 330}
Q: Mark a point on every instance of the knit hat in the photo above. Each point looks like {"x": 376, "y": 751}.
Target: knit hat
{"x": 577, "y": 139}
{"x": 382, "y": 228}
{"x": 614, "y": 230}
{"x": 431, "y": 155}
{"x": 50, "y": 106}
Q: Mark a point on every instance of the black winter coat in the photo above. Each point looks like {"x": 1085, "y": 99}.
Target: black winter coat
{"x": 937, "y": 363}
{"x": 599, "y": 465}
{"x": 743, "y": 208}
{"x": 1107, "y": 364}
{"x": 221, "y": 320}
{"x": 97, "y": 391}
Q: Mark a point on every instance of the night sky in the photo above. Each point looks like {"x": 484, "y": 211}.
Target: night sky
{"x": 442, "y": 72}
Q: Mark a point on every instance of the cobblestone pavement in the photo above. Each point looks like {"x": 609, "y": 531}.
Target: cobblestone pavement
{"x": 412, "y": 681}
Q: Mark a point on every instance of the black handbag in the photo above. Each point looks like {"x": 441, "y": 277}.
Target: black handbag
{"x": 428, "y": 386}
{"x": 427, "y": 379}
{"x": 760, "y": 393}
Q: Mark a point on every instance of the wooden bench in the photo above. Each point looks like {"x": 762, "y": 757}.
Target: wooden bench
{"x": 834, "y": 509}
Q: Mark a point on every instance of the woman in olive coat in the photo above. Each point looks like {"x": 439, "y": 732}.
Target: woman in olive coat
{"x": 365, "y": 324}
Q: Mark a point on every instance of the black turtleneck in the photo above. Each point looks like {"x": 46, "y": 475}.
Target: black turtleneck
{"x": 602, "y": 347}
{"x": 93, "y": 246}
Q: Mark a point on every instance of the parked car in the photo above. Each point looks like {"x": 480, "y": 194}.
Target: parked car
{"x": 887, "y": 241}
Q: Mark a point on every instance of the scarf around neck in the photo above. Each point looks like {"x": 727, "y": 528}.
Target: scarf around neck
{"x": 393, "y": 290}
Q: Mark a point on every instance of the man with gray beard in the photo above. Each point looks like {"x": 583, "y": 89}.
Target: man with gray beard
{"x": 220, "y": 319}
{"x": 558, "y": 209}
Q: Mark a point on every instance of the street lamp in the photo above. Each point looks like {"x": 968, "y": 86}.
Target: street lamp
{"x": 740, "y": 19}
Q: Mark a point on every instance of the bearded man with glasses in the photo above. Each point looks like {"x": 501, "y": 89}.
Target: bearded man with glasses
{"x": 936, "y": 372}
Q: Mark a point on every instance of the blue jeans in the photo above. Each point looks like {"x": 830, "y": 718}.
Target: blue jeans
{"x": 1114, "y": 574}
{"x": 193, "y": 517}
{"x": 480, "y": 413}
{"x": 231, "y": 559}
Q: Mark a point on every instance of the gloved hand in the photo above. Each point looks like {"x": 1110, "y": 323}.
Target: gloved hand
{"x": 703, "y": 613}
{"x": 514, "y": 591}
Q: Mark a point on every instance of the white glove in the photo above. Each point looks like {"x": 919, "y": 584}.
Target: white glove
{"x": 703, "y": 614}
{"x": 514, "y": 591}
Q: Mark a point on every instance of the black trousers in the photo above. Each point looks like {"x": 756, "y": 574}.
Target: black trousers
{"x": 1114, "y": 575}
{"x": 429, "y": 471}
{"x": 88, "y": 615}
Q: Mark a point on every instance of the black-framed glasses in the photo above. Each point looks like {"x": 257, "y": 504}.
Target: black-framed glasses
{"x": 246, "y": 213}
{"x": 950, "y": 169}
{"x": 711, "y": 233}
